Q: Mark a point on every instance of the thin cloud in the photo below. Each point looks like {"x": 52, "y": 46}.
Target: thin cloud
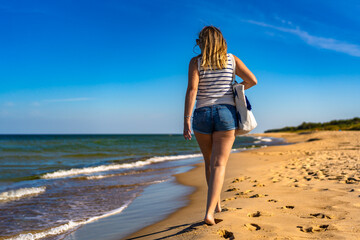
{"x": 283, "y": 21}
{"x": 316, "y": 41}
{"x": 9, "y": 104}
{"x": 67, "y": 99}
{"x": 35, "y": 104}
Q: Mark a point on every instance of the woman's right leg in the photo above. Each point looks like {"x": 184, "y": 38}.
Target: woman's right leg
{"x": 222, "y": 142}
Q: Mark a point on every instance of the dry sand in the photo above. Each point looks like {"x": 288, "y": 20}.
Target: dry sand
{"x": 306, "y": 190}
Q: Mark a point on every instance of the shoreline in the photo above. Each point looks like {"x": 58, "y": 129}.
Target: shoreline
{"x": 164, "y": 197}
{"x": 154, "y": 204}
{"x": 186, "y": 222}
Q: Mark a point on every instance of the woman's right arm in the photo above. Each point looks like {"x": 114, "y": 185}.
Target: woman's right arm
{"x": 246, "y": 75}
{"x": 190, "y": 98}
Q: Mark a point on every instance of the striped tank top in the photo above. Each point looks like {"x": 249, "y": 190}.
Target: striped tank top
{"x": 215, "y": 86}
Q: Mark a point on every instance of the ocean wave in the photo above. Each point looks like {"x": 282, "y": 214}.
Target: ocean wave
{"x": 21, "y": 192}
{"x": 103, "y": 168}
{"x": 71, "y": 225}
{"x": 263, "y": 139}
{"x": 98, "y": 176}
{"x": 235, "y": 150}
{"x": 266, "y": 140}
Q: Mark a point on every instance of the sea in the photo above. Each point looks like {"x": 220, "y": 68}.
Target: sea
{"x": 52, "y": 185}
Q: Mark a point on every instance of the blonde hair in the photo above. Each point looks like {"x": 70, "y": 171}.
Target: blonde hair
{"x": 213, "y": 48}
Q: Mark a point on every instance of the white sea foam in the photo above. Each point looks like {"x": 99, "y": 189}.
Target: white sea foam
{"x": 266, "y": 139}
{"x": 234, "y": 150}
{"x": 21, "y": 192}
{"x": 66, "y": 227}
{"x": 159, "y": 181}
{"x": 103, "y": 168}
{"x": 263, "y": 139}
{"x": 99, "y": 176}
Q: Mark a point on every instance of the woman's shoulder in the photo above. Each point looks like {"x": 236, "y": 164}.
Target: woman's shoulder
{"x": 195, "y": 59}
{"x": 234, "y": 56}
{"x": 236, "y": 59}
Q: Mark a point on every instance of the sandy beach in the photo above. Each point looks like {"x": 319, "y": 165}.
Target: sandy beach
{"x": 305, "y": 190}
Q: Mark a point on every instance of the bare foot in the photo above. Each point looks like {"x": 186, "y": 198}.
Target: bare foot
{"x": 218, "y": 208}
{"x": 209, "y": 220}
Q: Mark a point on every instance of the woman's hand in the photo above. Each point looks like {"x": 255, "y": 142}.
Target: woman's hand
{"x": 246, "y": 85}
{"x": 187, "y": 129}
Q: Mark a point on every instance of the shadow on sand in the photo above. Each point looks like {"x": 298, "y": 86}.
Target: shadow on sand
{"x": 188, "y": 228}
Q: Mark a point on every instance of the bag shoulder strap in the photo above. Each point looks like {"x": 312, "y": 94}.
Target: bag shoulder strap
{"x": 234, "y": 67}
{"x": 198, "y": 63}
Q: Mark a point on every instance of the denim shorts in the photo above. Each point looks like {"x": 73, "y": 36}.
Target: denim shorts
{"x": 219, "y": 117}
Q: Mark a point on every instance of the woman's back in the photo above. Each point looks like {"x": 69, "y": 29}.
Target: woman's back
{"x": 215, "y": 85}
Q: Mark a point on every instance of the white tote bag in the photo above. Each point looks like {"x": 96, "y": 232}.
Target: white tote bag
{"x": 244, "y": 114}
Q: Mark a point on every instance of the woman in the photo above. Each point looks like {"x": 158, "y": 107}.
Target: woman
{"x": 214, "y": 120}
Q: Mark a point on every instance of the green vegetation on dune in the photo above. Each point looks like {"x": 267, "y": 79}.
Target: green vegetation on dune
{"x": 348, "y": 124}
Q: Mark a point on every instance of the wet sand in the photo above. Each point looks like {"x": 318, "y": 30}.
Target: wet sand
{"x": 306, "y": 190}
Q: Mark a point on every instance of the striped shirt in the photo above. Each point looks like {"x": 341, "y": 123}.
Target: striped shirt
{"x": 215, "y": 86}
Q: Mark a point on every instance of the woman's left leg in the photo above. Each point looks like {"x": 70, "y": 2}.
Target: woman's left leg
{"x": 205, "y": 144}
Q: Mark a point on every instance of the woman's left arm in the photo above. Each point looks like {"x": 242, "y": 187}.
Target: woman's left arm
{"x": 246, "y": 75}
{"x": 193, "y": 82}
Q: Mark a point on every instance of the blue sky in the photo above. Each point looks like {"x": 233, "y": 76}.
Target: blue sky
{"x": 121, "y": 66}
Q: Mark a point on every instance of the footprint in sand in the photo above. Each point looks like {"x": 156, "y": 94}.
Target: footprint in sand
{"x": 259, "y": 185}
{"x": 313, "y": 139}
{"x": 307, "y": 178}
{"x": 297, "y": 185}
{"x": 317, "y": 228}
{"x": 244, "y": 193}
{"x": 229, "y": 199}
{"x": 252, "y": 226}
{"x": 217, "y": 220}
{"x": 272, "y": 200}
{"x": 225, "y": 209}
{"x": 320, "y": 215}
{"x": 287, "y": 207}
{"x": 275, "y": 180}
{"x": 226, "y": 234}
{"x": 351, "y": 180}
{"x": 317, "y": 215}
{"x": 231, "y": 189}
{"x": 240, "y": 179}
{"x": 335, "y": 178}
{"x": 320, "y": 189}
{"x": 258, "y": 195}
{"x": 255, "y": 214}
